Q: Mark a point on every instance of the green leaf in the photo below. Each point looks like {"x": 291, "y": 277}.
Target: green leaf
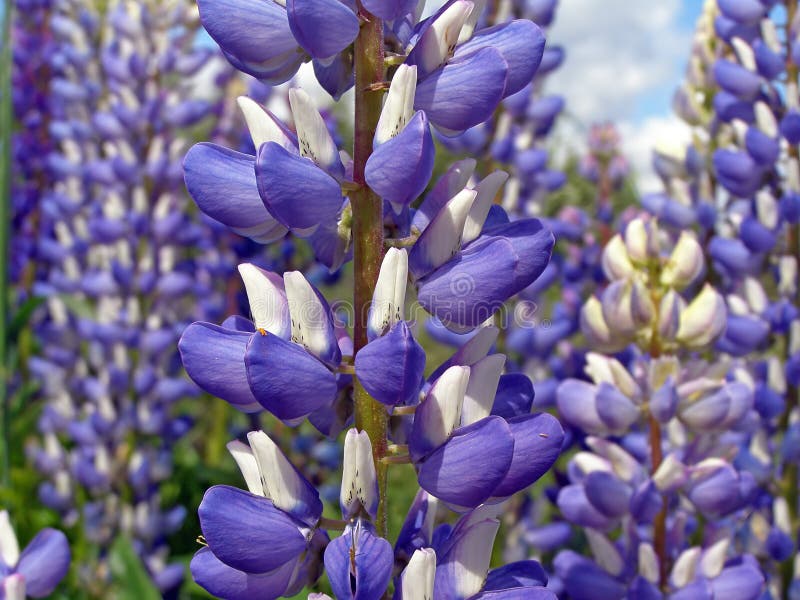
{"x": 131, "y": 581}
{"x": 22, "y": 317}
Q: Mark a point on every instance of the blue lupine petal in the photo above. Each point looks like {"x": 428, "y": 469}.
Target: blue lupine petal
{"x": 294, "y": 190}
{"x": 514, "y": 396}
{"x": 469, "y": 288}
{"x": 521, "y": 42}
{"x": 374, "y": 560}
{"x": 285, "y": 379}
{"x": 607, "y": 493}
{"x": 575, "y": 506}
{"x": 736, "y": 79}
{"x": 389, "y": 10}
{"x": 247, "y": 532}
{"x": 740, "y": 582}
{"x": 523, "y": 573}
{"x": 399, "y": 169}
{"x": 537, "y": 444}
{"x": 391, "y": 367}
{"x": 584, "y": 580}
{"x": 213, "y": 357}
{"x": 44, "y": 562}
{"x": 466, "y": 469}
{"x": 463, "y": 92}
{"x": 223, "y": 581}
{"x": 255, "y": 35}
{"x": 322, "y": 27}
{"x": 223, "y": 184}
{"x": 742, "y": 11}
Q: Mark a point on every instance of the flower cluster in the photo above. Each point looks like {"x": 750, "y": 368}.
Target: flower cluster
{"x": 467, "y": 428}
{"x": 117, "y": 270}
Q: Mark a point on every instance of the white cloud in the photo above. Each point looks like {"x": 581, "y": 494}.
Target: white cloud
{"x": 620, "y": 55}
{"x": 639, "y": 139}
{"x": 617, "y": 51}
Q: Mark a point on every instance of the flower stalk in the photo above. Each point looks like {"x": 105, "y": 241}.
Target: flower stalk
{"x": 370, "y": 415}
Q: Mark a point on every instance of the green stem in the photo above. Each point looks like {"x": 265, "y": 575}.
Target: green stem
{"x": 368, "y": 232}
{"x": 5, "y": 200}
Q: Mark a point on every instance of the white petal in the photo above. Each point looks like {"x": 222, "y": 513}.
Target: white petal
{"x": 399, "y": 106}
{"x": 359, "y": 479}
{"x": 714, "y": 558}
{"x": 419, "y": 574}
{"x": 486, "y": 191}
{"x": 648, "y": 563}
{"x": 477, "y": 347}
{"x": 310, "y": 321}
{"x": 267, "y": 297}
{"x": 388, "y": 301}
{"x": 684, "y": 569}
{"x": 312, "y": 135}
{"x": 248, "y": 465}
{"x": 605, "y": 553}
{"x": 262, "y": 125}
{"x": 447, "y": 396}
{"x": 9, "y": 547}
{"x": 440, "y": 39}
{"x": 13, "y": 587}
{"x": 282, "y": 482}
{"x": 469, "y": 560}
{"x": 481, "y": 389}
{"x": 469, "y": 27}
{"x": 441, "y": 239}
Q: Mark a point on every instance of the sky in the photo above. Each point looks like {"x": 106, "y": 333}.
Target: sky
{"x": 625, "y": 58}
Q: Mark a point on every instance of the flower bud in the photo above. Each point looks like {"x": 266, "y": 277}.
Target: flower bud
{"x": 703, "y": 320}
{"x": 359, "y": 481}
{"x": 684, "y": 264}
{"x": 616, "y": 262}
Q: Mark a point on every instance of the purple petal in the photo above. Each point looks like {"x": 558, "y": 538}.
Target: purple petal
{"x": 44, "y": 562}
{"x": 523, "y": 573}
{"x": 374, "y": 560}
{"x": 742, "y": 11}
{"x": 527, "y": 593}
{"x": 247, "y": 532}
{"x": 615, "y": 409}
{"x": 744, "y": 581}
{"x": 223, "y": 184}
{"x": 521, "y": 43}
{"x": 255, "y": 36}
{"x": 223, "y": 581}
{"x": 514, "y": 396}
{"x": 584, "y": 580}
{"x": 576, "y": 405}
{"x": 391, "y": 367}
{"x": 537, "y": 444}
{"x": 389, "y": 10}
{"x": 213, "y": 357}
{"x": 607, "y": 494}
{"x": 736, "y": 79}
{"x": 399, "y": 169}
{"x": 322, "y": 27}
{"x": 469, "y": 288}
{"x": 575, "y": 506}
{"x": 285, "y": 379}
{"x": 463, "y": 92}
{"x": 296, "y": 191}
{"x": 467, "y": 468}
{"x": 763, "y": 148}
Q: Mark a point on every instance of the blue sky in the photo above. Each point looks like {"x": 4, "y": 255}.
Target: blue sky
{"x": 625, "y": 58}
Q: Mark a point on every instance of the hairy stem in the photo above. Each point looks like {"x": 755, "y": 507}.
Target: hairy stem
{"x": 368, "y": 231}
{"x": 5, "y": 201}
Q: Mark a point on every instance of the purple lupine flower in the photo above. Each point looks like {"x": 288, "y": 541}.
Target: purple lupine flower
{"x": 265, "y": 540}
{"x": 38, "y": 569}
{"x": 292, "y": 333}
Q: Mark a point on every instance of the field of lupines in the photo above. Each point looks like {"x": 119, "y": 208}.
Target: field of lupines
{"x": 296, "y": 301}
